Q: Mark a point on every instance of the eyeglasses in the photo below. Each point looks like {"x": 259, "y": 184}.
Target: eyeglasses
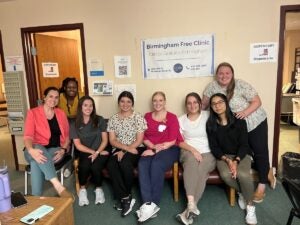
{"x": 214, "y": 104}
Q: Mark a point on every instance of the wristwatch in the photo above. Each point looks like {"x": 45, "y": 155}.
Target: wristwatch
{"x": 237, "y": 160}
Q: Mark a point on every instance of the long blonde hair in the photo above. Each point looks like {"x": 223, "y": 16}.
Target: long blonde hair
{"x": 159, "y": 93}
{"x": 231, "y": 85}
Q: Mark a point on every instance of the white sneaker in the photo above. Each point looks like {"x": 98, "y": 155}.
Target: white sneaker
{"x": 183, "y": 219}
{"x": 241, "y": 201}
{"x": 251, "y": 216}
{"x": 192, "y": 210}
{"x": 100, "y": 198}
{"x": 67, "y": 173}
{"x": 147, "y": 210}
{"x": 138, "y": 213}
{"x": 83, "y": 200}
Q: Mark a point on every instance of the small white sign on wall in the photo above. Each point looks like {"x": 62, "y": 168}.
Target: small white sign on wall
{"x": 50, "y": 69}
{"x": 14, "y": 63}
{"x": 263, "y": 52}
{"x": 96, "y": 67}
{"x": 104, "y": 87}
{"x": 122, "y": 66}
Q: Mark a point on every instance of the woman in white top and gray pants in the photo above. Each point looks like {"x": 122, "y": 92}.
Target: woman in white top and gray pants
{"x": 196, "y": 157}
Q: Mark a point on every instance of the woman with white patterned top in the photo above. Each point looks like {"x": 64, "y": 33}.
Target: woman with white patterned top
{"x": 196, "y": 157}
{"x": 245, "y": 102}
{"x": 126, "y": 133}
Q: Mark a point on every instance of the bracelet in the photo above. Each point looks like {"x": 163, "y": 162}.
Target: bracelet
{"x": 237, "y": 160}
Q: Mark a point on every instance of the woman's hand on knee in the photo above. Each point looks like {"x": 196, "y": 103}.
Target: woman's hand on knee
{"x": 197, "y": 155}
{"x": 38, "y": 155}
{"x": 58, "y": 155}
{"x": 148, "y": 152}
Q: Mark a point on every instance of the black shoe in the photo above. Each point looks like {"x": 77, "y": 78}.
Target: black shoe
{"x": 118, "y": 206}
{"x": 127, "y": 204}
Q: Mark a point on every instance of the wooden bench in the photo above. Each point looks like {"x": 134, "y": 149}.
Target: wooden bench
{"x": 168, "y": 175}
{"x": 174, "y": 173}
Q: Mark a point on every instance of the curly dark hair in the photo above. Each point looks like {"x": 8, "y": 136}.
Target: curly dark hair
{"x": 65, "y": 82}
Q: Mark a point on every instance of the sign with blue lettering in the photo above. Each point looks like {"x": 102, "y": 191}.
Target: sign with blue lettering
{"x": 96, "y": 67}
{"x": 178, "y": 57}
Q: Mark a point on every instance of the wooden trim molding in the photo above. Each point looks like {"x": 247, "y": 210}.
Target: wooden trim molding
{"x": 283, "y": 11}
{"x": 27, "y": 38}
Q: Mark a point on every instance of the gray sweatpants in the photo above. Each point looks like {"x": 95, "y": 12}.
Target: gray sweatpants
{"x": 195, "y": 174}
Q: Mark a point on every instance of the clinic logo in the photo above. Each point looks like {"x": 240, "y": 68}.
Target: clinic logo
{"x": 178, "y": 68}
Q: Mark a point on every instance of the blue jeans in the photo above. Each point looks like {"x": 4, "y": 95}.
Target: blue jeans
{"x": 41, "y": 171}
{"x": 152, "y": 173}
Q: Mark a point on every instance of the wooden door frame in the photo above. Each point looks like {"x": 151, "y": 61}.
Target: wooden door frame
{"x": 2, "y": 54}
{"x": 283, "y": 11}
{"x": 26, "y": 34}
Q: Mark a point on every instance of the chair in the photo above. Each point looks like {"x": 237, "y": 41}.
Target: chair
{"x": 293, "y": 191}
{"x": 59, "y": 167}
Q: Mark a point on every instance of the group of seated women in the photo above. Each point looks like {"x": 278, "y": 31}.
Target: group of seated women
{"x": 225, "y": 137}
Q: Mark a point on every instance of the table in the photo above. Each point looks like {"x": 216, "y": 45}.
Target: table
{"x": 61, "y": 215}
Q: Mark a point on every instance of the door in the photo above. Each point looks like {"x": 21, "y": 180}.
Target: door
{"x": 64, "y": 52}
{"x": 284, "y": 10}
{"x": 32, "y": 75}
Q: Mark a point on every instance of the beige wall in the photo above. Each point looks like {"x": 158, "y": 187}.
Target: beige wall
{"x": 116, "y": 27}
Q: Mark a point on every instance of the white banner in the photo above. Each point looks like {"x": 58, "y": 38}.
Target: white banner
{"x": 178, "y": 57}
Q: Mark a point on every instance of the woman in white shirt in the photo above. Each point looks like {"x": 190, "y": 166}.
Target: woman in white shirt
{"x": 196, "y": 157}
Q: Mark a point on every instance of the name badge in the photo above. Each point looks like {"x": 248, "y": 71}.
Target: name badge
{"x": 162, "y": 127}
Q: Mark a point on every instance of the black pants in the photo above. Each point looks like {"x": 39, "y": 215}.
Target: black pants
{"x": 258, "y": 141}
{"x": 121, "y": 173}
{"x": 88, "y": 168}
